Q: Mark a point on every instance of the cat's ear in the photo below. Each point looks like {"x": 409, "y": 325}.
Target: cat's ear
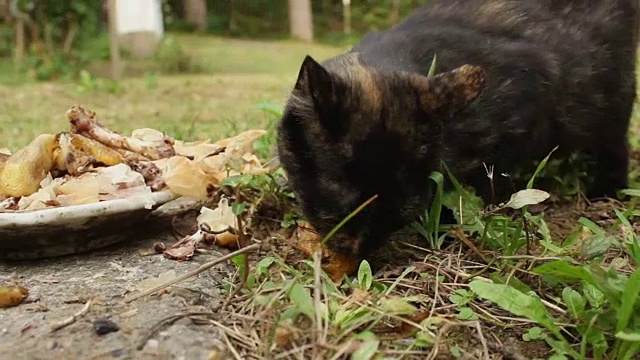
{"x": 314, "y": 82}
{"x": 447, "y": 93}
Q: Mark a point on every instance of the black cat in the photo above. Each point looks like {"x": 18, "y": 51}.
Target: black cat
{"x": 514, "y": 79}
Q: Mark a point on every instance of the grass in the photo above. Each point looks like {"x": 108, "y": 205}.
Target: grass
{"x": 217, "y": 101}
{"x": 519, "y": 283}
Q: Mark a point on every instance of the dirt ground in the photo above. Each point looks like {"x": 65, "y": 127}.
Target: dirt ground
{"x": 60, "y": 287}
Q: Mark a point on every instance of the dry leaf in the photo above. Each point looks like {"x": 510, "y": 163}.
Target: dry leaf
{"x": 231, "y": 161}
{"x": 149, "y": 135}
{"x": 185, "y": 248}
{"x": 219, "y": 219}
{"x": 113, "y": 182}
{"x": 283, "y": 336}
{"x": 526, "y": 197}
{"x": 335, "y": 265}
{"x": 358, "y": 296}
{"x": 197, "y": 150}
{"x": 184, "y": 177}
{"x": 43, "y": 197}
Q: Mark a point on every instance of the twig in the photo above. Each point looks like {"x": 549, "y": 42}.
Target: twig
{"x": 245, "y": 273}
{"x": 73, "y": 318}
{"x": 483, "y": 341}
{"x": 165, "y": 322}
{"x": 460, "y": 235}
{"x": 317, "y": 288}
{"x": 230, "y": 346}
{"x": 195, "y": 272}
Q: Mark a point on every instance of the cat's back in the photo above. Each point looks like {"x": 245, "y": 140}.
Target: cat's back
{"x": 562, "y": 28}
{"x": 528, "y": 19}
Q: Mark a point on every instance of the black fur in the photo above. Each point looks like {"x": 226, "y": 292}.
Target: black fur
{"x": 539, "y": 74}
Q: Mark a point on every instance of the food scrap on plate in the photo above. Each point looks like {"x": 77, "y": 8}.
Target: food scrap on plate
{"x": 91, "y": 163}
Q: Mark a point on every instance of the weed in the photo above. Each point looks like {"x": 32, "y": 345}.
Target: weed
{"x": 90, "y": 84}
{"x": 172, "y": 58}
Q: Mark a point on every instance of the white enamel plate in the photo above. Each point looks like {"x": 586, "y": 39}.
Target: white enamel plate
{"x": 74, "y": 229}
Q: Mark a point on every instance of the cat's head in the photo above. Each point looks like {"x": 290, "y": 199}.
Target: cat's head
{"x": 350, "y": 132}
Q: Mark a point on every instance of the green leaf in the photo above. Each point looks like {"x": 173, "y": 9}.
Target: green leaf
{"x": 526, "y": 197}
{"x": 594, "y": 296}
{"x": 238, "y": 208}
{"x": 631, "y": 192}
{"x": 396, "y": 305}
{"x": 273, "y": 109}
{"x": 425, "y": 339}
{"x": 432, "y": 68}
{"x": 399, "y": 278}
{"x": 302, "y": 300}
{"x": 436, "y": 206}
{"x": 347, "y": 318}
{"x": 629, "y": 298}
{"x": 595, "y": 228}
{"x": 365, "y": 277}
{"x": 535, "y": 333}
{"x": 290, "y": 313}
{"x": 263, "y": 265}
{"x": 366, "y": 350}
{"x": 471, "y": 203}
{"x": 557, "y": 356}
{"x": 561, "y": 270}
{"x": 574, "y": 301}
{"x": 596, "y": 338}
{"x": 366, "y": 335}
{"x": 461, "y": 297}
{"x": 596, "y": 245}
{"x": 455, "y": 351}
{"x": 628, "y": 336}
{"x": 541, "y": 166}
{"x": 466, "y": 313}
{"x": 516, "y": 302}
{"x": 513, "y": 282}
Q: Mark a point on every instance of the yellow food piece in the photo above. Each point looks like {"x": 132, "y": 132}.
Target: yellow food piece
{"x": 99, "y": 151}
{"x": 12, "y": 295}
{"x": 24, "y": 170}
{"x": 226, "y": 239}
{"x": 3, "y": 160}
{"x": 76, "y": 153}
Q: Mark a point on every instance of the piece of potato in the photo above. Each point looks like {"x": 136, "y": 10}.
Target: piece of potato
{"x": 12, "y": 295}
{"x": 76, "y": 154}
{"x": 3, "y": 159}
{"x": 24, "y": 170}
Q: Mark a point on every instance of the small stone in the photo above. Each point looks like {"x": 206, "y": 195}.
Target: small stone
{"x": 118, "y": 352}
{"x": 152, "y": 345}
{"x": 159, "y": 247}
{"x": 104, "y": 326}
{"x": 51, "y": 344}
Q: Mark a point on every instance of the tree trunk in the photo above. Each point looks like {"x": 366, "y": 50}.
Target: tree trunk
{"x": 233, "y": 25}
{"x": 20, "y": 43}
{"x": 114, "y": 45}
{"x": 300, "y": 19}
{"x": 346, "y": 16}
{"x": 195, "y": 12}
{"x": 394, "y": 15}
